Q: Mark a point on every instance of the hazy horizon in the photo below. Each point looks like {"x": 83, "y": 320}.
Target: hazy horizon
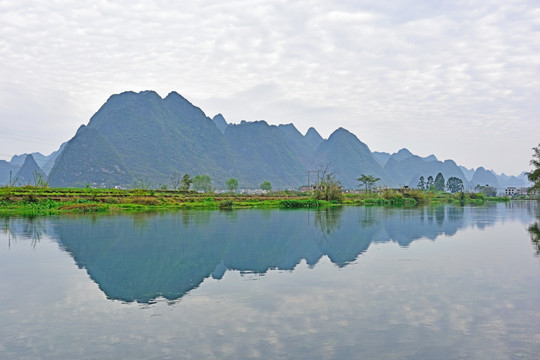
{"x": 460, "y": 80}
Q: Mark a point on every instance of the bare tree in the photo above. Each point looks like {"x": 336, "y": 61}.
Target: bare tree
{"x": 328, "y": 186}
{"x": 176, "y": 179}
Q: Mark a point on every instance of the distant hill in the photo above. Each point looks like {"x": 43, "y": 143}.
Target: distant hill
{"x": 381, "y": 157}
{"x": 7, "y": 172}
{"x": 467, "y": 172}
{"x": 302, "y": 147}
{"x": 407, "y": 168}
{"x": 45, "y": 162}
{"x": 484, "y": 177}
{"x": 402, "y": 155}
{"x": 47, "y": 167}
{"x": 313, "y": 138}
{"x": 39, "y": 158}
{"x": 220, "y": 122}
{"x": 349, "y": 158}
{"x": 430, "y": 158}
{"x": 30, "y": 172}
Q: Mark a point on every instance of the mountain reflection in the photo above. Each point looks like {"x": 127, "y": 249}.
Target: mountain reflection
{"x": 145, "y": 256}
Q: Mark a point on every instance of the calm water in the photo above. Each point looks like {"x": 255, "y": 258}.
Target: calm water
{"x": 372, "y": 283}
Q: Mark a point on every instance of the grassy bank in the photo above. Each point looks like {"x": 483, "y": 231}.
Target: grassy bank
{"x": 413, "y": 197}
{"x": 50, "y": 201}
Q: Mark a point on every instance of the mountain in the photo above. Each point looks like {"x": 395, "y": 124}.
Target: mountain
{"x": 381, "y": 157}
{"x": 89, "y": 159}
{"x": 523, "y": 177}
{"x": 39, "y": 158}
{"x": 430, "y": 158}
{"x": 313, "y": 138}
{"x": 484, "y": 177}
{"x": 402, "y": 154}
{"x": 220, "y": 122}
{"x": 261, "y": 152}
{"x": 45, "y": 162}
{"x": 407, "y": 168}
{"x": 7, "y": 172}
{"x": 505, "y": 181}
{"x": 467, "y": 172}
{"x": 30, "y": 172}
{"x": 143, "y": 138}
{"x": 301, "y": 146}
{"x": 51, "y": 158}
{"x": 149, "y": 138}
{"x": 349, "y": 158}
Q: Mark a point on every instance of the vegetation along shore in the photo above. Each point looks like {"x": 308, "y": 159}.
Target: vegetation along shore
{"x": 31, "y": 200}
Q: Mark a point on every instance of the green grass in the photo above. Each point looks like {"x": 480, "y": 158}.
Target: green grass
{"x": 29, "y": 200}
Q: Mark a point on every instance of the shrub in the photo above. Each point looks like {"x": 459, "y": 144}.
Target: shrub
{"x": 297, "y": 203}
{"x": 418, "y": 196}
{"x": 145, "y": 200}
{"x": 225, "y": 204}
{"x": 83, "y": 208}
{"x": 31, "y": 198}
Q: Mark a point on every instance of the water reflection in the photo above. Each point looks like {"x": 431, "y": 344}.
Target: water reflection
{"x": 145, "y": 256}
{"x": 28, "y": 228}
{"x": 534, "y": 231}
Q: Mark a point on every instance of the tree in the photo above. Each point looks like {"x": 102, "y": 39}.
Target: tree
{"x": 202, "y": 183}
{"x": 232, "y": 184}
{"x": 429, "y": 184}
{"x": 454, "y": 185}
{"x": 367, "y": 181}
{"x": 328, "y": 187}
{"x": 486, "y": 190}
{"x": 175, "y": 180}
{"x": 186, "y": 182}
{"x": 266, "y": 186}
{"x": 421, "y": 183}
{"x": 534, "y": 175}
{"x": 439, "y": 182}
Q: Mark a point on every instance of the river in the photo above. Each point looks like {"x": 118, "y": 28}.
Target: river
{"x": 440, "y": 282}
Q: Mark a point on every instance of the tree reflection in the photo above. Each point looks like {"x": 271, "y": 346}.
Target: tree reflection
{"x": 534, "y": 231}
{"x": 28, "y": 228}
{"x": 328, "y": 220}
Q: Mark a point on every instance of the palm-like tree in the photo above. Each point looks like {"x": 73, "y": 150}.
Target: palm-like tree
{"x": 534, "y": 175}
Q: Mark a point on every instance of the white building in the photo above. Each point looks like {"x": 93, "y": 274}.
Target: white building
{"x": 512, "y": 191}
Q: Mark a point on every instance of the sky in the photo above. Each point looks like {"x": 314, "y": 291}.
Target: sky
{"x": 457, "y": 79}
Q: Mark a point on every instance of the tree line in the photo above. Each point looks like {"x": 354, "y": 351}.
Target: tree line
{"x": 203, "y": 183}
{"x": 328, "y": 187}
{"x": 453, "y": 185}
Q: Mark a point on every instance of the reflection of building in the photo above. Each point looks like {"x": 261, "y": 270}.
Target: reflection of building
{"x": 512, "y": 191}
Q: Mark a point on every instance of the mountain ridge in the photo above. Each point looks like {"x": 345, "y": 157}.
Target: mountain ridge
{"x": 143, "y": 137}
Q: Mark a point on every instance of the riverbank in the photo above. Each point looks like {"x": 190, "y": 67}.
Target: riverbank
{"x": 30, "y": 200}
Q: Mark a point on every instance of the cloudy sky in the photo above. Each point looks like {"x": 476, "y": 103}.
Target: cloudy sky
{"x": 458, "y": 79}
